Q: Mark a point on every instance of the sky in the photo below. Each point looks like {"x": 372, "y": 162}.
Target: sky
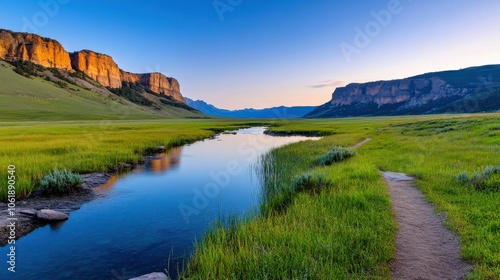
{"x": 239, "y": 54}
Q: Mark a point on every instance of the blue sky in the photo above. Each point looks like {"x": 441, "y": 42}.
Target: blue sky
{"x": 255, "y": 53}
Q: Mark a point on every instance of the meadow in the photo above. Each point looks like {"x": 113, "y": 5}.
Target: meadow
{"x": 344, "y": 229}
{"x": 347, "y": 229}
{"x": 36, "y": 148}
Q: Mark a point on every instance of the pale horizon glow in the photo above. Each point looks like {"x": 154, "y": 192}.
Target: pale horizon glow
{"x": 263, "y": 54}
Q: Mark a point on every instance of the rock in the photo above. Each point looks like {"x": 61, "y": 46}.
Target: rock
{"x": 16, "y": 46}
{"x": 51, "y": 215}
{"x": 397, "y": 177}
{"x": 28, "y": 212}
{"x": 152, "y": 276}
{"x": 155, "y": 82}
{"x": 421, "y": 94}
{"x": 63, "y": 210}
{"x": 161, "y": 148}
{"x": 99, "y": 67}
{"x": 102, "y": 68}
{"x": 127, "y": 166}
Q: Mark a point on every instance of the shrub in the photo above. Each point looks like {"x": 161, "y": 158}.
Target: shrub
{"x": 336, "y": 154}
{"x": 26, "y": 68}
{"x": 60, "y": 182}
{"x": 484, "y": 181}
{"x": 310, "y": 182}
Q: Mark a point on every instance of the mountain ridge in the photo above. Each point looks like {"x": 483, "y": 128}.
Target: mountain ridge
{"x": 468, "y": 90}
{"x": 267, "y": 113}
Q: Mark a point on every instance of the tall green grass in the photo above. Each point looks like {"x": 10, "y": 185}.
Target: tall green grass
{"x": 37, "y": 148}
{"x": 346, "y": 231}
{"x": 342, "y": 230}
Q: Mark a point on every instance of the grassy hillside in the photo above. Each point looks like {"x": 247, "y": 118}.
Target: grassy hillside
{"x": 34, "y": 98}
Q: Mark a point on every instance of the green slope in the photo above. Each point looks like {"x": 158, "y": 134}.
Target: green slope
{"x": 34, "y": 98}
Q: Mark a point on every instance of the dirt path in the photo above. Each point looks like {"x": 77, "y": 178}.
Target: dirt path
{"x": 361, "y": 143}
{"x": 425, "y": 249}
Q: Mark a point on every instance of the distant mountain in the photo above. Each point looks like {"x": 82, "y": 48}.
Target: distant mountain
{"x": 268, "y": 113}
{"x": 475, "y": 89}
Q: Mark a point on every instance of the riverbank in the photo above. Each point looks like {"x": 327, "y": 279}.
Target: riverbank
{"x": 348, "y": 228}
{"x": 36, "y": 148}
{"x": 343, "y": 229}
{"x": 26, "y": 209}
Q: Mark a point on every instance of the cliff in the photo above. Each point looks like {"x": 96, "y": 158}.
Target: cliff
{"x": 30, "y": 47}
{"x": 99, "y": 67}
{"x": 473, "y": 89}
{"x": 102, "y": 68}
{"x": 155, "y": 82}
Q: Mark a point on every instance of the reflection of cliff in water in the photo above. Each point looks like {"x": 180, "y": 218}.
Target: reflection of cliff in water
{"x": 157, "y": 164}
{"x": 164, "y": 161}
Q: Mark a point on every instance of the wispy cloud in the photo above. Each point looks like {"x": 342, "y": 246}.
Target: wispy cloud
{"x": 329, "y": 83}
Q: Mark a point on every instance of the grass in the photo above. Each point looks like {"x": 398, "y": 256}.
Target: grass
{"x": 60, "y": 182}
{"x": 346, "y": 230}
{"x": 343, "y": 230}
{"x": 35, "y": 99}
{"x": 37, "y": 148}
{"x": 336, "y": 154}
{"x": 487, "y": 180}
{"x": 334, "y": 223}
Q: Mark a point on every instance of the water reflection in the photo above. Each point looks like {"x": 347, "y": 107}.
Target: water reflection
{"x": 164, "y": 161}
{"x": 140, "y": 226}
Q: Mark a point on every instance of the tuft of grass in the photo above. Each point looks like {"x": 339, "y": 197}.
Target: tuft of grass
{"x": 336, "y": 154}
{"x": 484, "y": 181}
{"x": 311, "y": 182}
{"x": 60, "y": 182}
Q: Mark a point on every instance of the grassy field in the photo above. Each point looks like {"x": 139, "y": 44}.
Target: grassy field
{"x": 346, "y": 230}
{"x": 36, "y": 148}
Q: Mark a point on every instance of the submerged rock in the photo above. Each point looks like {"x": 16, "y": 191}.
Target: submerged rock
{"x": 152, "y": 276}
{"x": 51, "y": 215}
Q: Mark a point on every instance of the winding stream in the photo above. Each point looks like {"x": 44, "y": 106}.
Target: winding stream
{"x": 152, "y": 215}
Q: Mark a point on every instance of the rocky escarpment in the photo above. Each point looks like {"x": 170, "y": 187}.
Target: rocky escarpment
{"x": 30, "y": 47}
{"x": 99, "y": 67}
{"x": 155, "y": 82}
{"x": 15, "y": 46}
{"x": 469, "y": 90}
{"x": 413, "y": 92}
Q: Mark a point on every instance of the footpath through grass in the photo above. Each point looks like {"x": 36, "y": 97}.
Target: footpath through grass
{"x": 346, "y": 230}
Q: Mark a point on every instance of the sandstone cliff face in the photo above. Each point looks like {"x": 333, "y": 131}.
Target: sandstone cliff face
{"x": 99, "y": 67}
{"x": 466, "y": 90}
{"x": 102, "y": 68}
{"x": 159, "y": 83}
{"x": 156, "y": 82}
{"x": 30, "y": 47}
{"x": 412, "y": 91}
